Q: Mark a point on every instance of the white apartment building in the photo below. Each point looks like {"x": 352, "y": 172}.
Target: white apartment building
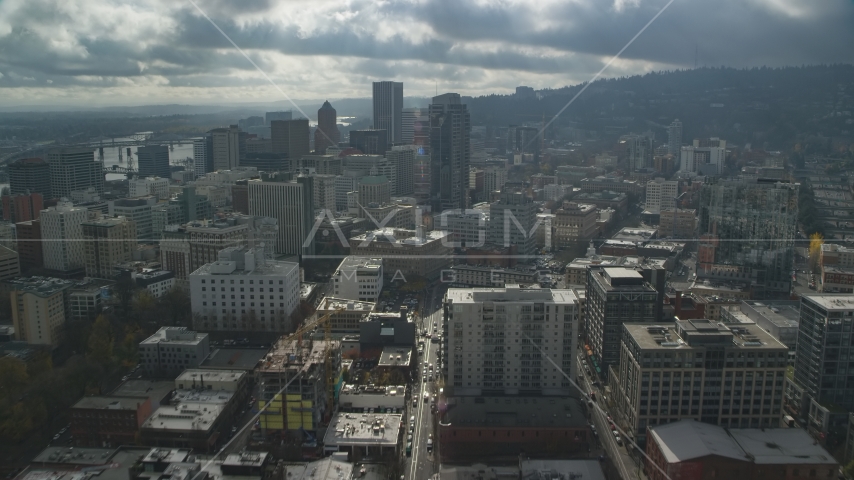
{"x": 243, "y": 291}
{"x": 469, "y": 227}
{"x": 324, "y": 192}
{"x": 141, "y": 187}
{"x": 358, "y": 278}
{"x": 705, "y": 157}
{"x": 171, "y": 350}
{"x": 502, "y": 341}
{"x": 660, "y": 193}
{"x": 62, "y": 236}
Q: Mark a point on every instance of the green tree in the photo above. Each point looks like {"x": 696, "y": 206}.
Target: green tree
{"x": 15, "y": 424}
{"x": 101, "y": 341}
{"x": 13, "y": 375}
{"x": 848, "y": 471}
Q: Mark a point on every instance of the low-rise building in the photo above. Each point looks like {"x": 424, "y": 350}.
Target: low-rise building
{"x": 837, "y": 279}
{"x": 358, "y": 278}
{"x": 10, "y": 266}
{"x": 373, "y": 434}
{"x": 157, "y": 282}
{"x": 171, "y": 350}
{"x": 406, "y": 254}
{"x": 690, "y": 449}
{"x": 357, "y": 398}
{"x": 346, "y": 315}
{"x": 574, "y": 222}
{"x": 483, "y": 276}
{"x": 697, "y": 369}
{"x": 106, "y": 421}
{"x": 681, "y": 223}
{"x": 469, "y": 227}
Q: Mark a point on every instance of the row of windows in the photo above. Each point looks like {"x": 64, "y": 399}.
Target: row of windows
{"x": 251, "y": 282}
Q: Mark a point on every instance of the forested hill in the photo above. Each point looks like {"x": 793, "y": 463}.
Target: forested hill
{"x": 770, "y": 107}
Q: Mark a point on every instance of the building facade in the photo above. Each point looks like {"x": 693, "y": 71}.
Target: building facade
{"x": 388, "y": 109}
{"x": 73, "y": 169}
{"x": 450, "y": 129}
{"x": 30, "y": 175}
{"x": 358, "y": 278}
{"x": 292, "y": 205}
{"x": 153, "y": 161}
{"x": 106, "y": 243}
{"x": 62, "y": 236}
{"x": 171, "y": 350}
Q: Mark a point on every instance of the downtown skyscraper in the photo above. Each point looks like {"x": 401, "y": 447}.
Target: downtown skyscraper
{"x": 388, "y": 109}
{"x": 450, "y": 129}
{"x": 326, "y": 134}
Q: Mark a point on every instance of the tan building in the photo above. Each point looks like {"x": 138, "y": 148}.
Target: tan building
{"x": 348, "y": 313}
{"x": 574, "y": 222}
{"x": 731, "y": 376}
{"x": 9, "y": 265}
{"x": 107, "y": 243}
{"x": 406, "y": 253}
{"x": 38, "y": 309}
{"x": 835, "y": 254}
{"x": 686, "y": 223}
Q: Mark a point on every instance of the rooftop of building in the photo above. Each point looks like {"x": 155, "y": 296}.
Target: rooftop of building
{"x": 67, "y": 463}
{"x": 362, "y": 429}
{"x": 480, "y": 471}
{"x": 574, "y": 208}
{"x": 635, "y": 234}
{"x": 175, "y": 335}
{"x": 510, "y": 293}
{"x": 234, "y": 358}
{"x": 553, "y": 412}
{"x": 166, "y": 455}
{"x": 356, "y": 261}
{"x": 835, "y": 247}
{"x": 832, "y": 301}
{"x": 156, "y": 390}
{"x": 781, "y": 313}
{"x": 199, "y": 375}
{"x": 400, "y": 236}
{"x": 185, "y": 416}
{"x": 332, "y": 303}
{"x": 528, "y": 269}
{"x": 110, "y": 403}
{"x": 201, "y": 396}
{"x": 688, "y": 439}
{"x": 41, "y": 286}
{"x": 290, "y": 355}
{"x": 698, "y": 333}
{"x": 561, "y": 469}
{"x": 620, "y": 279}
{"x": 107, "y": 221}
{"x": 711, "y": 285}
{"x": 837, "y": 269}
{"x": 273, "y": 268}
{"x": 395, "y": 357}
{"x": 390, "y": 390}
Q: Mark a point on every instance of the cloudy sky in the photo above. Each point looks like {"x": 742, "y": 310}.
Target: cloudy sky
{"x": 137, "y": 52}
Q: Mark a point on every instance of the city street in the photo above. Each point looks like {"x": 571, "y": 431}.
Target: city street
{"x": 421, "y": 465}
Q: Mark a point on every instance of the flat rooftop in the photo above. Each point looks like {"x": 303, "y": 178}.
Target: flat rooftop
{"x": 780, "y": 313}
{"x": 68, "y": 466}
{"x": 363, "y": 429}
{"x": 777, "y": 446}
{"x": 74, "y": 456}
{"x": 174, "y": 335}
{"x": 350, "y": 389}
{"x": 331, "y": 303}
{"x": 565, "y": 469}
{"x": 333, "y": 467}
{"x": 269, "y": 268}
{"x": 395, "y": 357}
{"x": 286, "y": 355}
{"x": 155, "y": 390}
{"x": 666, "y": 336}
{"x": 110, "y": 403}
{"x": 511, "y": 293}
{"x": 838, "y": 302}
{"x": 552, "y": 412}
{"x": 184, "y": 417}
{"x": 237, "y": 358}
{"x": 356, "y": 261}
{"x": 199, "y": 375}
{"x": 197, "y": 395}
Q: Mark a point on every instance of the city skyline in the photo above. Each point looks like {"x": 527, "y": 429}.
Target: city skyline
{"x": 173, "y": 54}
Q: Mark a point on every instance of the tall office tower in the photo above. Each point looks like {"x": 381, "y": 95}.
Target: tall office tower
{"x": 614, "y": 296}
{"x": 292, "y": 204}
{"x": 374, "y": 190}
{"x": 661, "y": 193}
{"x": 106, "y": 243}
{"x": 245, "y": 123}
{"x": 409, "y": 118}
{"x": 512, "y": 220}
{"x": 371, "y": 142}
{"x": 403, "y": 159}
{"x": 74, "y": 169}
{"x": 450, "y": 126}
{"x": 715, "y": 373}
{"x": 22, "y": 208}
{"x": 268, "y": 162}
{"x": 528, "y": 141}
{"x": 327, "y": 133}
{"x": 137, "y": 210}
{"x": 674, "y": 138}
{"x": 747, "y": 234}
{"x": 203, "y": 155}
{"x": 494, "y": 179}
{"x": 372, "y": 165}
{"x": 324, "y": 192}
{"x": 153, "y": 161}
{"x": 639, "y": 150}
{"x": 291, "y": 138}
{"x": 482, "y": 359}
{"x": 226, "y": 147}
{"x": 706, "y": 157}
{"x": 270, "y": 116}
{"x": 388, "y": 109}
{"x": 821, "y": 382}
{"x": 62, "y": 236}
{"x": 29, "y": 175}
{"x": 30, "y": 253}
{"x": 421, "y": 183}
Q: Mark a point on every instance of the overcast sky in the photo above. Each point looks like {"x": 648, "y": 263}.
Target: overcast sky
{"x": 126, "y": 52}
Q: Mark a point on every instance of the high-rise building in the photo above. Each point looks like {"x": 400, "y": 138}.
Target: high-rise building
{"x": 203, "y": 155}
{"x": 267, "y": 162}
{"x": 327, "y": 133}
{"x": 215, "y": 310}
{"x": 245, "y": 123}
{"x": 512, "y": 220}
{"x": 290, "y": 137}
{"x": 374, "y": 165}
{"x": 724, "y": 375}
{"x": 450, "y": 125}
{"x": 482, "y": 359}
{"x": 10, "y": 264}
{"x": 372, "y": 141}
{"x": 107, "y": 242}
{"x": 706, "y": 157}
{"x": 270, "y": 116}
{"x": 403, "y": 159}
{"x": 639, "y": 151}
{"x": 324, "y": 192}
{"x": 153, "y": 161}
{"x": 415, "y": 128}
{"x": 374, "y": 190}
{"x": 747, "y": 234}
{"x": 292, "y": 204}
{"x": 494, "y": 179}
{"x": 62, "y": 236}
{"x": 614, "y": 296}
{"x": 421, "y": 181}
{"x": 226, "y": 147}
{"x": 674, "y": 138}
{"x": 38, "y": 309}
{"x": 30, "y": 175}
{"x": 22, "y": 207}
{"x": 30, "y": 254}
{"x": 661, "y": 193}
{"x": 575, "y": 222}
{"x": 388, "y": 109}
{"x": 145, "y": 186}
{"x": 137, "y": 210}
{"x": 74, "y": 169}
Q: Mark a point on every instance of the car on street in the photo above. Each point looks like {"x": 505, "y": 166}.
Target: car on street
{"x": 618, "y": 439}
